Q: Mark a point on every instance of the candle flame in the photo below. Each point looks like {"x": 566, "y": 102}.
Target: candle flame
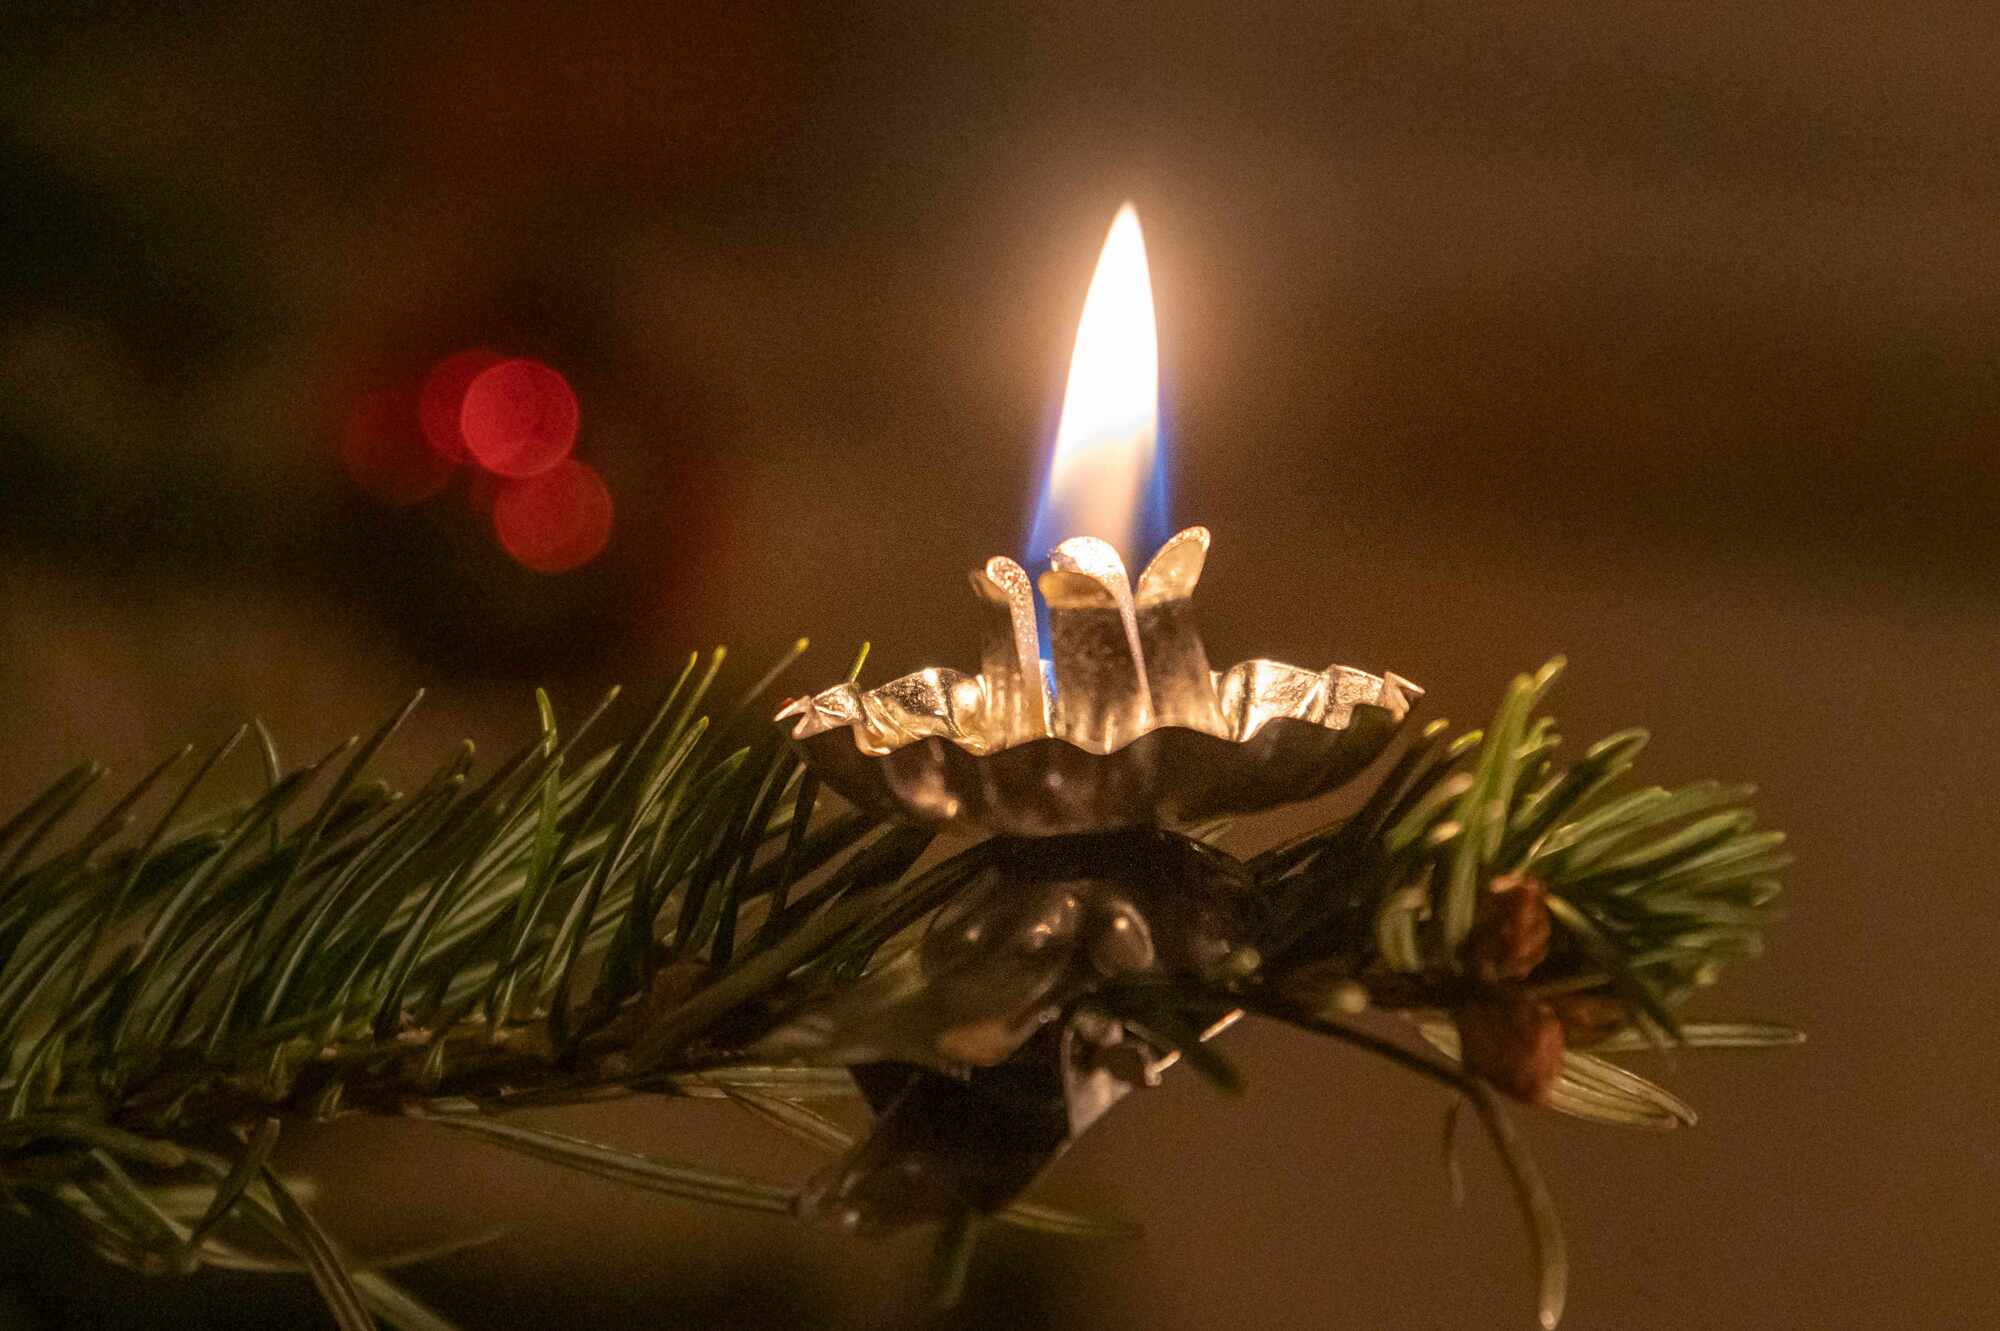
{"x": 1102, "y": 477}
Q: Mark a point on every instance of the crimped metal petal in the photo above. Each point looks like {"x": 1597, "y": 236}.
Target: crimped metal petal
{"x": 1133, "y": 728}
{"x": 1293, "y": 735}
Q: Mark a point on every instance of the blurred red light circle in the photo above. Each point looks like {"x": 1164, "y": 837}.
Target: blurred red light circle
{"x": 443, "y": 399}
{"x": 556, "y": 521}
{"x": 385, "y": 454}
{"x": 518, "y": 418}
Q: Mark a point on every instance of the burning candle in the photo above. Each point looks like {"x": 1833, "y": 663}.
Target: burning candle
{"x": 1123, "y": 723}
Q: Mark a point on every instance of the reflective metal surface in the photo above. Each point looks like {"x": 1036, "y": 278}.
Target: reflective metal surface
{"x": 978, "y": 1047}
{"x": 1125, "y": 725}
{"x": 1042, "y": 925}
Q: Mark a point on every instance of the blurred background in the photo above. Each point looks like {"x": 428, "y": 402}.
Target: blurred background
{"x": 1662, "y": 335}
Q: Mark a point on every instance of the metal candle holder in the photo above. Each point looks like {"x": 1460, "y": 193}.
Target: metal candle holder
{"x": 1125, "y": 726}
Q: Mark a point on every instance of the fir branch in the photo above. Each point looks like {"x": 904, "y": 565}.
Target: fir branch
{"x": 573, "y": 927}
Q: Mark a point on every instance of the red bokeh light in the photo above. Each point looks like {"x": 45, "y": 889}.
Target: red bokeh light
{"x": 384, "y": 452}
{"x": 443, "y": 398}
{"x": 518, "y": 418}
{"x": 556, "y": 521}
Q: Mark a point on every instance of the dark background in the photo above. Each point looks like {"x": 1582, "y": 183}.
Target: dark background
{"x": 1663, "y": 335}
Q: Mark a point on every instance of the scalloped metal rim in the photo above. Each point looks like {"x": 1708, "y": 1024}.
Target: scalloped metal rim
{"x": 1050, "y": 786}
